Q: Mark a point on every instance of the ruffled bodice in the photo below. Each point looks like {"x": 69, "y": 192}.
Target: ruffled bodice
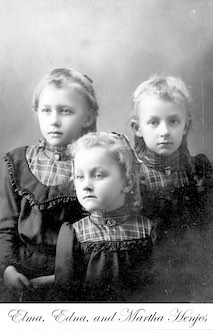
{"x": 26, "y": 184}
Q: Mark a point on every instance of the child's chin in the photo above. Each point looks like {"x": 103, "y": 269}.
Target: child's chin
{"x": 94, "y": 209}
{"x": 164, "y": 153}
{"x": 91, "y": 208}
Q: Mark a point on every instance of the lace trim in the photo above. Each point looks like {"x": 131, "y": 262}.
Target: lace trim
{"x": 109, "y": 246}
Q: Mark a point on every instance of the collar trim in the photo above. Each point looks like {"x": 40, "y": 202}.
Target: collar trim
{"x": 166, "y": 164}
{"x": 57, "y": 153}
{"x": 111, "y": 219}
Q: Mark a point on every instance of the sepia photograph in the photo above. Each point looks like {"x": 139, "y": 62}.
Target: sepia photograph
{"x": 106, "y": 164}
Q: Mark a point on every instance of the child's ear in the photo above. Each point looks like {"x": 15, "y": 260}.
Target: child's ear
{"x": 186, "y": 130}
{"x": 135, "y": 127}
{"x": 128, "y": 185}
{"x": 187, "y": 127}
{"x": 89, "y": 119}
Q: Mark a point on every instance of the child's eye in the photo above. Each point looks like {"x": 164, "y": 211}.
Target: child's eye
{"x": 45, "y": 110}
{"x": 98, "y": 175}
{"x": 174, "y": 121}
{"x": 79, "y": 177}
{"x": 66, "y": 111}
{"x": 153, "y": 122}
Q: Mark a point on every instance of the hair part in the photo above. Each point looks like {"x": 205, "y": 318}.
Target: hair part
{"x": 60, "y": 78}
{"x": 122, "y": 153}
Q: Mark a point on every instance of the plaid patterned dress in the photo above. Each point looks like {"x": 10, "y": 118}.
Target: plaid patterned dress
{"x": 50, "y": 165}
{"x": 165, "y": 183}
{"x": 100, "y": 255}
{"x": 162, "y": 173}
{"x": 37, "y": 196}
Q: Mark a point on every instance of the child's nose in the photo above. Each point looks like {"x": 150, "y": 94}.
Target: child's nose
{"x": 164, "y": 129}
{"x": 54, "y": 119}
{"x": 87, "y": 184}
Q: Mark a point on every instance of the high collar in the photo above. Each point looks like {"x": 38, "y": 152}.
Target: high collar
{"x": 56, "y": 153}
{"x": 167, "y": 164}
{"x": 111, "y": 218}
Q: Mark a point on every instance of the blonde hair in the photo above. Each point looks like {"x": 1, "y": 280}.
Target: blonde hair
{"x": 170, "y": 89}
{"x": 122, "y": 152}
{"x": 61, "y": 77}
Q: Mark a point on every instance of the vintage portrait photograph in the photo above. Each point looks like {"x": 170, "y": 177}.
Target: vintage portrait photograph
{"x": 106, "y": 164}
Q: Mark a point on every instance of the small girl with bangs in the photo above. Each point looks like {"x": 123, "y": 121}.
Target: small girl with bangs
{"x": 170, "y": 176}
{"x": 38, "y": 192}
{"x": 101, "y": 255}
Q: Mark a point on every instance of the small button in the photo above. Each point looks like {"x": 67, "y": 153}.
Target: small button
{"x": 168, "y": 171}
{"x": 111, "y": 222}
{"x": 57, "y": 157}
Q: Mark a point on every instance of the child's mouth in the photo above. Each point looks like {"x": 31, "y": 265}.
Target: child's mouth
{"x": 164, "y": 143}
{"x": 55, "y": 133}
{"x": 89, "y": 196}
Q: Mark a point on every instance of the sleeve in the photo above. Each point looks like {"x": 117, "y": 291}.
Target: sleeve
{"x": 68, "y": 263}
{"x": 203, "y": 176}
{"x": 9, "y": 212}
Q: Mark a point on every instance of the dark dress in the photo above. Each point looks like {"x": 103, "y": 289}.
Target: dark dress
{"x": 170, "y": 187}
{"x": 102, "y": 256}
{"x": 180, "y": 267}
{"x": 31, "y": 215}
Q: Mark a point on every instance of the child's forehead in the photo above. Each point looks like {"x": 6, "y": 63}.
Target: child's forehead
{"x": 157, "y": 103}
{"x": 95, "y": 157}
{"x": 153, "y": 101}
{"x": 52, "y": 94}
{"x": 152, "y": 97}
{"x": 157, "y": 107}
{"x": 175, "y": 98}
{"x": 95, "y": 154}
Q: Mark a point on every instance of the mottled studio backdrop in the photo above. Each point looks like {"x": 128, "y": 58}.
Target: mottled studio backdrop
{"x": 118, "y": 43}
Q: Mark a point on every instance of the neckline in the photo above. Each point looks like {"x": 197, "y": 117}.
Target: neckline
{"x": 56, "y": 153}
{"x": 112, "y": 218}
{"x": 166, "y": 164}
